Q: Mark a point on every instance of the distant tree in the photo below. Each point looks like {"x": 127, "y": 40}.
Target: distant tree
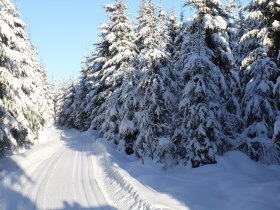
{"x": 65, "y": 104}
{"x": 83, "y": 92}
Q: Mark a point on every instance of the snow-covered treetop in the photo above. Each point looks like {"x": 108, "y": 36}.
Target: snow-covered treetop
{"x": 205, "y": 7}
{"x": 119, "y": 5}
{"x": 213, "y": 13}
{"x": 147, "y": 26}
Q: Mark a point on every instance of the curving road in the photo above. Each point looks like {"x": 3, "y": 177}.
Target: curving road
{"x": 57, "y": 174}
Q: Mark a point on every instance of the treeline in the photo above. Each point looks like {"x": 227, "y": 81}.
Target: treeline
{"x": 183, "y": 92}
{"x": 26, "y": 94}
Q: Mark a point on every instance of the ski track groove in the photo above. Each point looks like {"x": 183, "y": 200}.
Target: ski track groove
{"x": 79, "y": 172}
{"x": 93, "y": 185}
{"x": 63, "y": 176}
{"x": 84, "y": 172}
{"x": 46, "y": 177}
{"x": 39, "y": 177}
{"x": 73, "y": 176}
{"x": 47, "y": 182}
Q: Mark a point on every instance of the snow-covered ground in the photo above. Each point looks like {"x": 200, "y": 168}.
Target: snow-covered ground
{"x": 67, "y": 169}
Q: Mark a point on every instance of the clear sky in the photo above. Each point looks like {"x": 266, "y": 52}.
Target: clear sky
{"x": 64, "y": 30}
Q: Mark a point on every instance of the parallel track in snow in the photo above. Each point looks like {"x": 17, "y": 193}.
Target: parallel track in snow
{"x": 60, "y": 179}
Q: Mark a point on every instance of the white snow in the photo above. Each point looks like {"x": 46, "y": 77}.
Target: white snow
{"x": 67, "y": 169}
{"x": 276, "y": 129}
{"x": 275, "y": 24}
{"x": 1, "y": 135}
{"x": 221, "y": 23}
{"x": 163, "y": 142}
{"x": 263, "y": 87}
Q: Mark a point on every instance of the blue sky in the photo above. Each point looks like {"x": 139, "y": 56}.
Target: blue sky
{"x": 64, "y": 31}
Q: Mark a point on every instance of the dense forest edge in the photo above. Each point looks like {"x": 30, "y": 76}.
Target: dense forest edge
{"x": 176, "y": 91}
{"x": 182, "y": 92}
{"x": 26, "y": 93}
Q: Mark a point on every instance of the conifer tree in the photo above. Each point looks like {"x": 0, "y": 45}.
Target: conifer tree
{"x": 90, "y": 86}
{"x": 129, "y": 100}
{"x": 23, "y": 83}
{"x": 206, "y": 103}
{"x": 155, "y": 89}
{"x": 259, "y": 49}
{"x": 161, "y": 26}
{"x": 83, "y": 92}
{"x": 121, "y": 56}
{"x": 173, "y": 34}
{"x": 65, "y": 104}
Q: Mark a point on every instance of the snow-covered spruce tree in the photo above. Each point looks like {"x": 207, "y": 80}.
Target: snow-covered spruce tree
{"x": 240, "y": 29}
{"x": 44, "y": 95}
{"x": 173, "y": 33}
{"x": 23, "y": 83}
{"x": 98, "y": 76}
{"x": 90, "y": 86}
{"x": 231, "y": 72}
{"x": 155, "y": 91}
{"x": 207, "y": 106}
{"x": 65, "y": 104}
{"x": 121, "y": 56}
{"x": 58, "y": 101}
{"x": 82, "y": 97}
{"x": 129, "y": 100}
{"x": 259, "y": 49}
{"x": 161, "y": 25}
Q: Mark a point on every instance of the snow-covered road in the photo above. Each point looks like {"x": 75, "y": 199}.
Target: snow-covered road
{"x": 58, "y": 173}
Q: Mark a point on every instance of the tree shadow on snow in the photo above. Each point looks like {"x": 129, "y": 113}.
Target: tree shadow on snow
{"x": 11, "y": 199}
{"x": 9, "y": 167}
{"x": 76, "y": 206}
{"x": 77, "y": 140}
{"x": 11, "y": 175}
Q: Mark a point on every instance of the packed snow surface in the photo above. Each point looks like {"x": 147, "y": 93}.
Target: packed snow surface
{"x": 67, "y": 169}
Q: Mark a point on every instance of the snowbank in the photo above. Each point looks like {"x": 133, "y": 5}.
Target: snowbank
{"x": 235, "y": 183}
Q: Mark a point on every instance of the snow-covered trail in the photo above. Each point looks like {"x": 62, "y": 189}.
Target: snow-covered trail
{"x": 58, "y": 173}
{"x": 70, "y": 170}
